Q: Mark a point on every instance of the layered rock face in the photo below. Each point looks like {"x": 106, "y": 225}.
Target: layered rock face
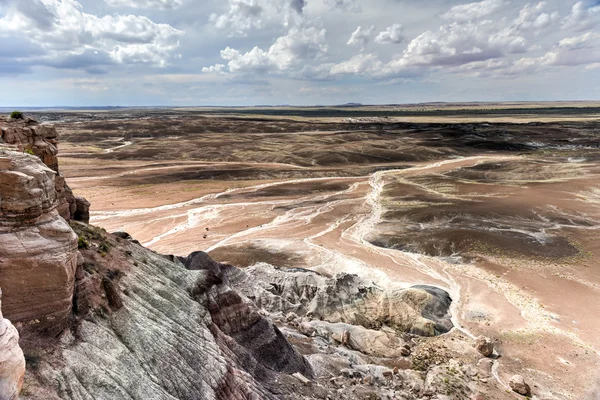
{"x": 38, "y": 249}
{"x": 12, "y": 362}
{"x": 149, "y": 328}
{"x": 42, "y": 141}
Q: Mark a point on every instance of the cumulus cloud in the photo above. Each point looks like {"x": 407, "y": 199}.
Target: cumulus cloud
{"x": 466, "y": 45}
{"x": 217, "y": 68}
{"x": 487, "y": 38}
{"x": 287, "y": 53}
{"x": 577, "y": 50}
{"x": 160, "y": 4}
{"x": 242, "y": 16}
{"x": 583, "y": 16}
{"x": 361, "y": 36}
{"x": 583, "y": 50}
{"x": 358, "y": 65}
{"x": 468, "y": 42}
{"x": 70, "y": 37}
{"x": 473, "y": 11}
{"x": 533, "y": 17}
{"x": 456, "y": 44}
{"x": 392, "y": 35}
{"x": 246, "y": 15}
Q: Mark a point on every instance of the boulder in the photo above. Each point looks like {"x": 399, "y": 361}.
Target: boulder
{"x": 518, "y": 385}
{"x": 12, "y": 361}
{"x": 484, "y": 345}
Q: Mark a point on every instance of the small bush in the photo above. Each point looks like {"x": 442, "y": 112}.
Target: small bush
{"x": 29, "y": 151}
{"x": 82, "y": 243}
{"x": 17, "y": 115}
{"x": 104, "y": 248}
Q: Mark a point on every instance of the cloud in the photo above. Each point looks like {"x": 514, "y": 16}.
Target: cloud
{"x": 217, "y": 68}
{"x": 392, "y": 35}
{"x": 583, "y": 17}
{"x": 583, "y": 50}
{"x": 577, "y": 50}
{"x": 297, "y": 5}
{"x": 473, "y": 11}
{"x": 456, "y": 44}
{"x": 358, "y": 65}
{"x": 360, "y": 37}
{"x": 36, "y": 11}
{"x": 472, "y": 46}
{"x": 468, "y": 43}
{"x": 246, "y": 15}
{"x": 285, "y": 42}
{"x": 533, "y": 17}
{"x": 344, "y": 5}
{"x": 68, "y": 36}
{"x": 242, "y": 16}
{"x": 287, "y": 53}
{"x": 144, "y": 4}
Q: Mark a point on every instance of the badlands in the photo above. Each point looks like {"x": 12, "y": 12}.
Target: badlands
{"x": 350, "y": 255}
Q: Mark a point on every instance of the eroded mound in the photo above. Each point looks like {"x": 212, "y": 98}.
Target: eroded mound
{"x": 345, "y": 298}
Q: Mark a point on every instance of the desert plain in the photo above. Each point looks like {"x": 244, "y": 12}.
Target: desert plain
{"x": 499, "y": 208}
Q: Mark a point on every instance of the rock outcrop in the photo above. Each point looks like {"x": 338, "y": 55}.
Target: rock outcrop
{"x": 146, "y": 327}
{"x": 38, "y": 249}
{"x": 27, "y": 135}
{"x": 240, "y": 319}
{"x": 12, "y": 361}
{"x": 346, "y": 298}
{"x": 82, "y": 210}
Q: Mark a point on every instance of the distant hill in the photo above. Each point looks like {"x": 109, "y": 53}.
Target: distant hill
{"x": 350, "y": 105}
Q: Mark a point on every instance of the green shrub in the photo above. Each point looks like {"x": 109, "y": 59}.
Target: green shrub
{"x": 104, "y": 248}
{"x": 29, "y": 151}
{"x": 17, "y": 115}
{"x": 82, "y": 243}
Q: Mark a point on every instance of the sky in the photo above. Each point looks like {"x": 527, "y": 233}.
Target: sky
{"x": 296, "y": 52}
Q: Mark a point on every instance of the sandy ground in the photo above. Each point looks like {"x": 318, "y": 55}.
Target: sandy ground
{"x": 522, "y": 224}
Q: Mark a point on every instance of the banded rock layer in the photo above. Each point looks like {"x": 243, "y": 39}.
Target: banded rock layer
{"x": 146, "y": 327}
{"x": 38, "y": 249}
{"x": 27, "y": 135}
